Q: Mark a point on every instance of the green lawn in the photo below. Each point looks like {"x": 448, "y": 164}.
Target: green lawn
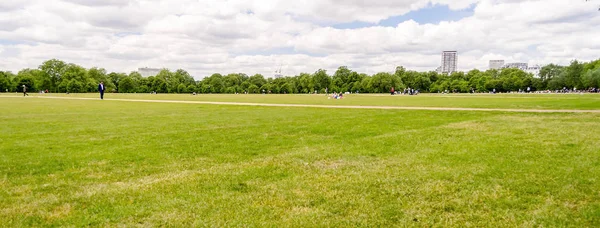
{"x": 508, "y": 101}
{"x": 114, "y": 163}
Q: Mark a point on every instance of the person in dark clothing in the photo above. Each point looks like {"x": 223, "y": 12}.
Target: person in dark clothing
{"x": 392, "y": 91}
{"x": 101, "y": 89}
{"x": 25, "y": 91}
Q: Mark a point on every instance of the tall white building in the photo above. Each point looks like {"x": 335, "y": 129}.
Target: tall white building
{"x": 147, "y": 72}
{"x": 496, "y": 64}
{"x": 449, "y": 61}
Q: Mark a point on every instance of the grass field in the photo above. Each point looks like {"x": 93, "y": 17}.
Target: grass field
{"x": 506, "y": 101}
{"x": 115, "y": 163}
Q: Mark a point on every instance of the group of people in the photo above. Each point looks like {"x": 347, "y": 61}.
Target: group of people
{"x": 407, "y": 91}
{"x": 574, "y": 90}
{"x": 337, "y": 96}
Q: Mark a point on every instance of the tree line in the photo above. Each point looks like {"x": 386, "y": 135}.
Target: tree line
{"x": 57, "y": 76}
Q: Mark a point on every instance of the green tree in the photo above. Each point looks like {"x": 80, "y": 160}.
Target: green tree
{"x": 215, "y": 83}
{"x": 24, "y": 77}
{"x": 591, "y": 79}
{"x": 115, "y": 78}
{"x": 258, "y": 80}
{"x": 98, "y": 75}
{"x": 74, "y": 86}
{"x": 232, "y": 80}
{"x": 305, "y": 84}
{"x": 573, "y": 75}
{"x": 5, "y": 82}
{"x": 549, "y": 72}
{"x": 181, "y": 88}
{"x": 33, "y": 75}
{"x": 557, "y": 82}
{"x": 253, "y": 89}
{"x": 192, "y": 88}
{"x": 422, "y": 82}
{"x": 159, "y": 85}
{"x": 127, "y": 85}
{"x": 321, "y": 80}
{"x": 383, "y": 82}
{"x": 343, "y": 79}
{"x": 53, "y": 69}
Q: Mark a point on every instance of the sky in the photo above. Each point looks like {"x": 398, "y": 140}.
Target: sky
{"x": 261, "y": 36}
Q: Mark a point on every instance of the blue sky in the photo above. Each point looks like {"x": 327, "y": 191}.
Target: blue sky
{"x": 429, "y": 15}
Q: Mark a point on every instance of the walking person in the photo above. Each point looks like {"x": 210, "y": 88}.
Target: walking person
{"x": 101, "y": 90}
{"x": 25, "y": 91}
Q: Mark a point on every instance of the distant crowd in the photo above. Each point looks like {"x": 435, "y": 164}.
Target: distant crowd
{"x": 406, "y": 91}
{"x": 574, "y": 90}
{"x": 529, "y": 90}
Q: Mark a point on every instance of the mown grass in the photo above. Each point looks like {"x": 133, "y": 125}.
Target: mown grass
{"x": 508, "y": 101}
{"x": 111, "y": 163}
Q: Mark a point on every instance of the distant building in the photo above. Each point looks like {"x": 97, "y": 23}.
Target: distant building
{"x": 535, "y": 70}
{"x": 496, "y": 64}
{"x": 147, "y": 72}
{"x": 449, "y": 61}
{"x": 278, "y": 74}
{"x": 521, "y": 66}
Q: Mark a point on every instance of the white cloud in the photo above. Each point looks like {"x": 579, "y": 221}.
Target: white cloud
{"x": 210, "y": 36}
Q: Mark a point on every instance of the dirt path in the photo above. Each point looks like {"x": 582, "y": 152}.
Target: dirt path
{"x": 331, "y": 106}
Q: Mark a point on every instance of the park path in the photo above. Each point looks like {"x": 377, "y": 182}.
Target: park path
{"x": 330, "y": 106}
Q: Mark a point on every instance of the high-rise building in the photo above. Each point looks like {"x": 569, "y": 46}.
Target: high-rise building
{"x": 449, "y": 60}
{"x": 147, "y": 72}
{"x": 496, "y": 64}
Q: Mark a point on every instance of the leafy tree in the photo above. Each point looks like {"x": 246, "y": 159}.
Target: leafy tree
{"x": 573, "y": 75}
{"x": 593, "y": 65}
{"x": 321, "y": 80}
{"x": 549, "y": 72}
{"x": 74, "y": 86}
{"x": 53, "y": 69}
{"x": 215, "y": 83}
{"x": 74, "y": 72}
{"x": 232, "y": 80}
{"x": 24, "y": 77}
{"x": 192, "y": 88}
{"x": 58, "y": 76}
{"x": 98, "y": 75}
{"x": 257, "y": 80}
{"x": 365, "y": 84}
{"x": 159, "y": 85}
{"x": 286, "y": 88}
{"x": 591, "y": 79}
{"x": 127, "y": 85}
{"x": 253, "y": 89}
{"x": 383, "y": 82}
{"x": 5, "y": 82}
{"x": 181, "y": 88}
{"x": 344, "y": 79}
{"x": 115, "y": 78}
{"x": 557, "y": 82}
{"x": 305, "y": 83}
